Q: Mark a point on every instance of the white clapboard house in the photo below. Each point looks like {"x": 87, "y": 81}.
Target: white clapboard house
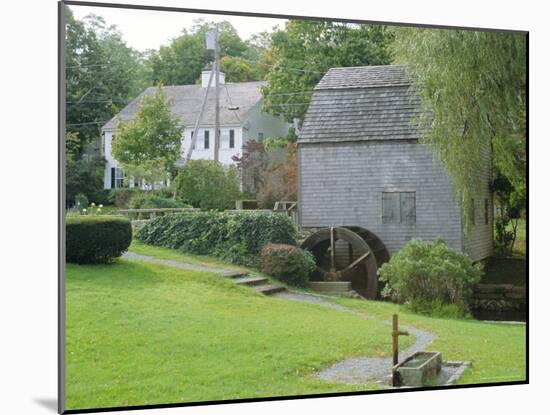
{"x": 241, "y": 120}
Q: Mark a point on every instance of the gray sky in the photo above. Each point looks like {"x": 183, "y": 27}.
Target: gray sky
{"x": 144, "y": 29}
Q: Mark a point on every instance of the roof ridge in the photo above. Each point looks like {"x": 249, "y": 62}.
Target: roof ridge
{"x": 370, "y": 66}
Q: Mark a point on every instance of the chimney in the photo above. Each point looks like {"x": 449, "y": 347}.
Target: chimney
{"x": 205, "y": 75}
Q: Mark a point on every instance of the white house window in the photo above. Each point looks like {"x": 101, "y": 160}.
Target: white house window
{"x": 206, "y": 139}
{"x": 117, "y": 178}
{"x": 399, "y": 207}
{"x": 260, "y": 136}
{"x": 231, "y": 138}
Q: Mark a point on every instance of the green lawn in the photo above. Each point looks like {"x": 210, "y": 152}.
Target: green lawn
{"x": 141, "y": 333}
{"x": 496, "y": 350}
{"x": 175, "y": 255}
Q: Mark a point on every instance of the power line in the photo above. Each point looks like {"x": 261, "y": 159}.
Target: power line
{"x": 98, "y": 102}
{"x": 281, "y": 66}
{"x": 287, "y": 105}
{"x": 86, "y": 123}
{"x": 198, "y": 58}
{"x": 276, "y": 94}
{"x": 127, "y": 102}
{"x": 231, "y": 103}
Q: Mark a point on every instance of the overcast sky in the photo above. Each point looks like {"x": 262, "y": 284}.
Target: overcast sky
{"x": 144, "y": 29}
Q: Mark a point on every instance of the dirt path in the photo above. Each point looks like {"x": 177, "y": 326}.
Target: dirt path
{"x": 361, "y": 370}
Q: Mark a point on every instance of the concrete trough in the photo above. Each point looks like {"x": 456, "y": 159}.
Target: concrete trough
{"x": 331, "y": 287}
{"x": 418, "y": 369}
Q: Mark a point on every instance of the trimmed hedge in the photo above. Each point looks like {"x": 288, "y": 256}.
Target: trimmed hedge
{"x": 96, "y": 239}
{"x": 236, "y": 237}
{"x": 287, "y": 263}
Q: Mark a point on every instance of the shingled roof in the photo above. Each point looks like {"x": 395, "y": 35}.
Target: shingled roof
{"x": 361, "y": 104}
{"x": 187, "y": 101}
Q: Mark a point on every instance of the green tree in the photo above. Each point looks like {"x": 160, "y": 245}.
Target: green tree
{"x": 207, "y": 184}
{"x": 83, "y": 173}
{"x": 305, "y": 50}
{"x": 472, "y": 86}
{"x": 237, "y": 69}
{"x": 148, "y": 146}
{"x": 182, "y": 61}
{"x": 101, "y": 76}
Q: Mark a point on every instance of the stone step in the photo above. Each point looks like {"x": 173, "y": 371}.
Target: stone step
{"x": 250, "y": 280}
{"x": 234, "y": 274}
{"x": 269, "y": 289}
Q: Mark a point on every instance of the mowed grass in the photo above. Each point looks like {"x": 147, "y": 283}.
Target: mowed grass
{"x": 141, "y": 333}
{"x": 175, "y": 255}
{"x": 497, "y": 351}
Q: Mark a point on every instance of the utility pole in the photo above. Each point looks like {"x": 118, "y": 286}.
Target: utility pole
{"x": 217, "y": 68}
{"x": 198, "y": 123}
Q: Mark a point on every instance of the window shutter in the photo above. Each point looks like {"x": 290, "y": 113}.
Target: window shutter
{"x": 113, "y": 172}
{"x": 408, "y": 208}
{"x": 390, "y": 207}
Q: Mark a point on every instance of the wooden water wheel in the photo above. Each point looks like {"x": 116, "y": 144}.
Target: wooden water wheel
{"x": 348, "y": 253}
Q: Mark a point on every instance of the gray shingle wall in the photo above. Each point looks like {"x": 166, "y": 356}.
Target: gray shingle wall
{"x": 342, "y": 184}
{"x": 479, "y": 243}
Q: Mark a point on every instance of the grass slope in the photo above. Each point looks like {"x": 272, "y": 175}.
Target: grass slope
{"x": 141, "y": 333}
{"x": 497, "y": 351}
{"x": 175, "y": 255}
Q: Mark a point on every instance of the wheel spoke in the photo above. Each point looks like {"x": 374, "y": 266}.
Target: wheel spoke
{"x": 358, "y": 260}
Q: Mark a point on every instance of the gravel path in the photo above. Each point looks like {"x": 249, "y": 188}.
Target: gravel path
{"x": 178, "y": 264}
{"x": 362, "y": 370}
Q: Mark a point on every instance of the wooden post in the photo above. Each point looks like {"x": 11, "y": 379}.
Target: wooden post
{"x": 395, "y": 333}
{"x": 395, "y": 339}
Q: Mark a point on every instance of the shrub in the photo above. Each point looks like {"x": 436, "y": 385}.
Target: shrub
{"x": 97, "y": 239}
{"x": 428, "y": 274}
{"x": 121, "y": 197}
{"x": 236, "y": 237}
{"x": 287, "y": 263}
{"x": 504, "y": 238}
{"x": 81, "y": 201}
{"x": 148, "y": 200}
{"x": 207, "y": 184}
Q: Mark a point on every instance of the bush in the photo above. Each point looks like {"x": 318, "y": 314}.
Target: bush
{"x": 207, "y": 184}
{"x": 96, "y": 239}
{"x": 287, "y": 263}
{"x": 236, "y": 237}
{"x": 121, "y": 197}
{"x": 426, "y": 275}
{"x": 81, "y": 201}
{"x": 148, "y": 200}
